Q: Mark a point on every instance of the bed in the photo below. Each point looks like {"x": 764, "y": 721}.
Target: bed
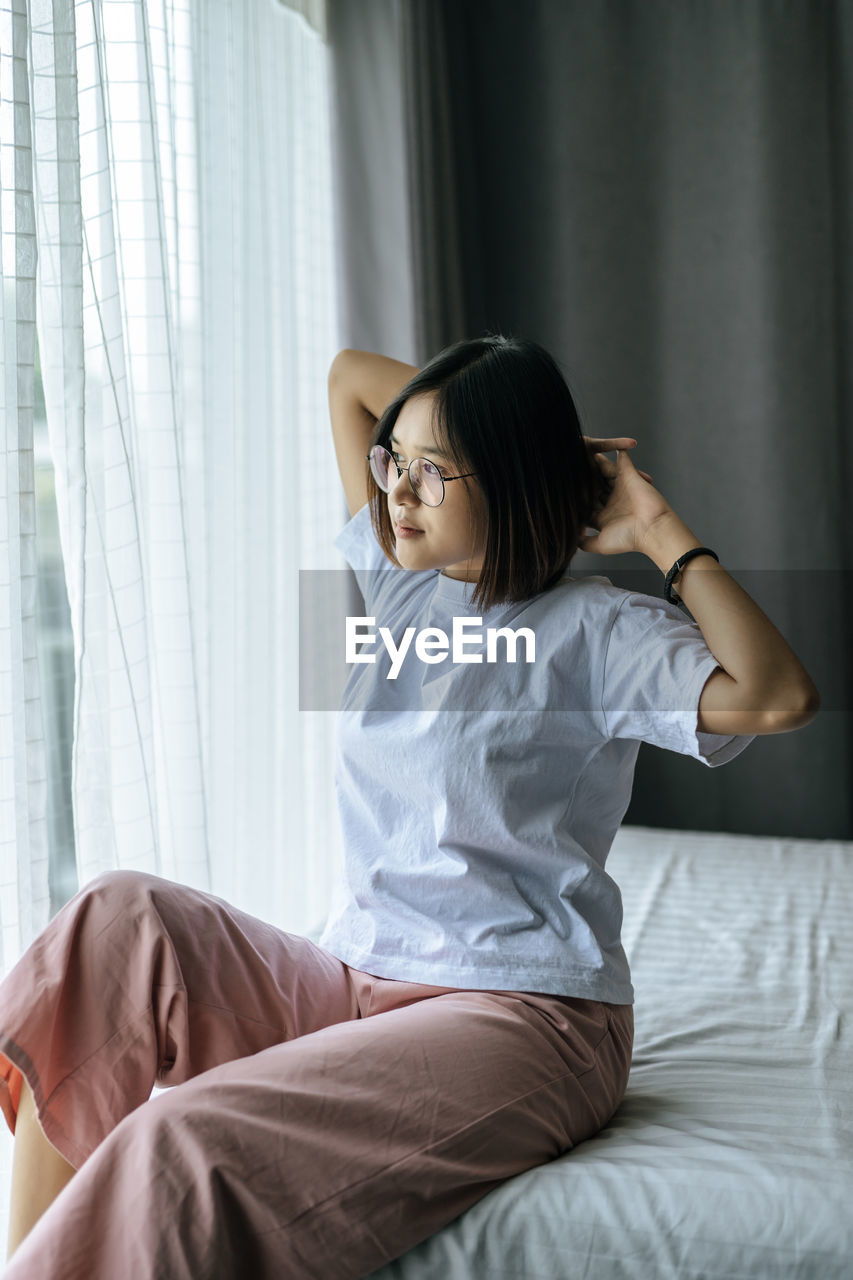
{"x": 732, "y": 1152}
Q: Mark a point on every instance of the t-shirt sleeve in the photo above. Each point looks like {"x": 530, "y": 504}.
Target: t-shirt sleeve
{"x": 656, "y": 665}
{"x": 358, "y": 545}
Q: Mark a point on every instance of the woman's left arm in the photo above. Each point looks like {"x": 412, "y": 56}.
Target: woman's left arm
{"x": 763, "y": 687}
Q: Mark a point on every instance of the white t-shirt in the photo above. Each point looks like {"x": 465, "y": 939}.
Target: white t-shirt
{"x": 478, "y": 801}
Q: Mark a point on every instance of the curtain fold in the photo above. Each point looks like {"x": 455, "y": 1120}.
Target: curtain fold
{"x": 313, "y": 12}
{"x": 116, "y": 356}
{"x": 24, "y": 857}
{"x": 268, "y": 470}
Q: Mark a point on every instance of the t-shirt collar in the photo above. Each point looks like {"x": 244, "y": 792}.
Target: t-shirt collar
{"x": 455, "y": 589}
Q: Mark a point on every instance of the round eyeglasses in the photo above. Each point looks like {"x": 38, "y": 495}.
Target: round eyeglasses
{"x": 424, "y": 476}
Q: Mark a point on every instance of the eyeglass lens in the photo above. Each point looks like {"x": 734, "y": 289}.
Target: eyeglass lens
{"x": 424, "y": 475}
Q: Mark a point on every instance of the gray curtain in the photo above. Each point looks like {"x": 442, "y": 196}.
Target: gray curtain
{"x": 660, "y": 194}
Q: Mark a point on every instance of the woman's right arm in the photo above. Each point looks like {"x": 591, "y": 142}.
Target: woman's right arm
{"x": 361, "y": 384}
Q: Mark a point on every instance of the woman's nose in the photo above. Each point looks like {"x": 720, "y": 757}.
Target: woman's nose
{"x": 396, "y": 492}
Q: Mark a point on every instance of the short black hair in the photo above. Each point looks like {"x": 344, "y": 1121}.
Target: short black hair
{"x": 503, "y": 409}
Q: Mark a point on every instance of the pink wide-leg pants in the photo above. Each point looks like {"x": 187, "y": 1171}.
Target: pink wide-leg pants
{"x": 324, "y": 1121}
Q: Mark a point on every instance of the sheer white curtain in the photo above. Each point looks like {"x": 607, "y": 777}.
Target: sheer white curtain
{"x": 185, "y": 465}
{"x": 24, "y": 887}
{"x": 172, "y": 160}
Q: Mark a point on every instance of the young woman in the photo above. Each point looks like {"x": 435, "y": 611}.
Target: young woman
{"x": 467, "y": 1013}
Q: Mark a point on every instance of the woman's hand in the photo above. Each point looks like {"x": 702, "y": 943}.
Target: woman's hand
{"x": 630, "y": 503}
{"x": 594, "y": 446}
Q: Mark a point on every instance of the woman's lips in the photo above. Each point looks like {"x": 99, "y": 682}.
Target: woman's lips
{"x": 403, "y": 531}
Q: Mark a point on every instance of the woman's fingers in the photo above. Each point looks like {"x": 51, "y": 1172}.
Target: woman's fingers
{"x": 611, "y": 468}
{"x": 607, "y": 446}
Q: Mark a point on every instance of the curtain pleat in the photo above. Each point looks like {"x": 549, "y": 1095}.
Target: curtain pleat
{"x": 24, "y": 859}
{"x": 312, "y": 11}
{"x": 111, "y": 293}
{"x": 270, "y": 476}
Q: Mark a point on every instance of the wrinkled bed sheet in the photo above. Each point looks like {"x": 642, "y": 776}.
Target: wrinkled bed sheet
{"x": 732, "y": 1153}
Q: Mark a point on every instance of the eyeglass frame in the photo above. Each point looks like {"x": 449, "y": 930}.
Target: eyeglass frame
{"x": 400, "y": 471}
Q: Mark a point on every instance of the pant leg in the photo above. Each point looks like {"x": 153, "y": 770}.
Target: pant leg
{"x": 138, "y": 981}
{"x": 329, "y": 1155}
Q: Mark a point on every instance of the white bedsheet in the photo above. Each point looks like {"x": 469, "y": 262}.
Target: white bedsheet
{"x": 732, "y": 1153}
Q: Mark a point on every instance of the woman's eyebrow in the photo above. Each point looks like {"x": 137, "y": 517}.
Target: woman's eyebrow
{"x": 422, "y": 448}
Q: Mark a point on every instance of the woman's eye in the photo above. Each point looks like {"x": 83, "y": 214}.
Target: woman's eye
{"x": 430, "y": 468}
